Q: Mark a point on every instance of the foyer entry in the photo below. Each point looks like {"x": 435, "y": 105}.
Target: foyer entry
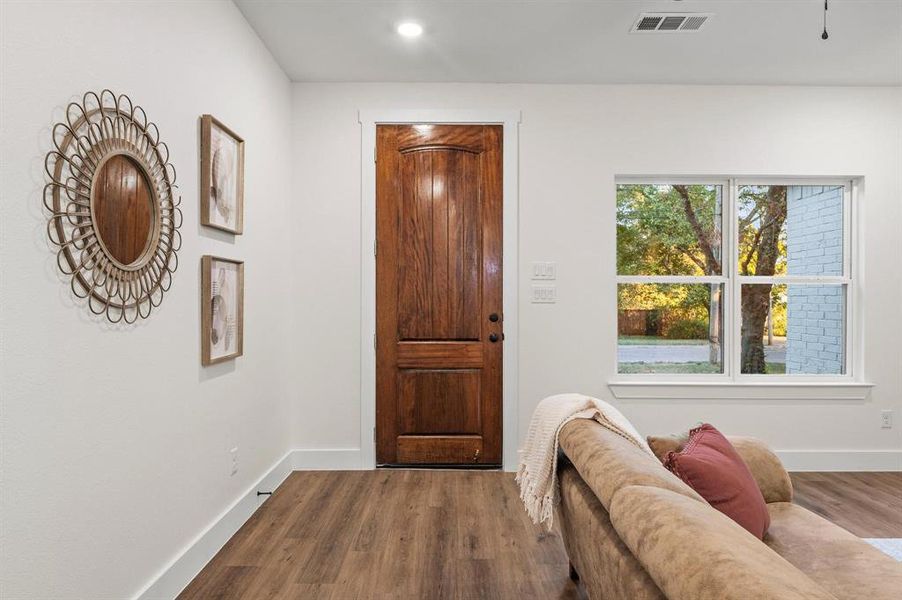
{"x": 439, "y": 325}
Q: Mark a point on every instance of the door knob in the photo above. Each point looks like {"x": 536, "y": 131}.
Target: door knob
{"x": 493, "y": 337}
{"x": 493, "y": 317}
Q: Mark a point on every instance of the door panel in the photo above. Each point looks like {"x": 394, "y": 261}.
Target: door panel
{"x": 438, "y": 282}
{"x": 436, "y": 450}
{"x": 438, "y": 402}
{"x": 439, "y": 354}
{"x": 439, "y": 247}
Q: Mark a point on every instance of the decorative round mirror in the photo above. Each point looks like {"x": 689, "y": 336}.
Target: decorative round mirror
{"x": 113, "y": 212}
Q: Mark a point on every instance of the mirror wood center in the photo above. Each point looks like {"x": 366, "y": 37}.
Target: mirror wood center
{"x": 123, "y": 208}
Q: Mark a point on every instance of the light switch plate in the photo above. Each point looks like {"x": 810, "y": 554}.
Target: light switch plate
{"x": 544, "y": 294}
{"x": 544, "y": 270}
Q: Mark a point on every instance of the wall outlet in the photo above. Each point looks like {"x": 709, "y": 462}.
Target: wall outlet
{"x": 886, "y": 419}
{"x": 544, "y": 270}
{"x": 544, "y": 294}
{"x": 233, "y": 454}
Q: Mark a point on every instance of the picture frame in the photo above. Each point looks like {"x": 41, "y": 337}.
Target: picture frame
{"x": 222, "y": 309}
{"x": 221, "y": 176}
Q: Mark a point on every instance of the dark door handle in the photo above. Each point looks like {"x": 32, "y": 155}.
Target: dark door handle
{"x": 493, "y": 337}
{"x": 493, "y": 317}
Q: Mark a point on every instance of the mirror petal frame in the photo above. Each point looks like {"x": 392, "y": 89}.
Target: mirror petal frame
{"x": 95, "y": 129}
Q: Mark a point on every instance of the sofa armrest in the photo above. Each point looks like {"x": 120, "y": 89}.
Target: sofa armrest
{"x": 694, "y": 552}
{"x": 766, "y": 468}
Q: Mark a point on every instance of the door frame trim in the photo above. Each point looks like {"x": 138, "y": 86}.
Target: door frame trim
{"x": 510, "y": 120}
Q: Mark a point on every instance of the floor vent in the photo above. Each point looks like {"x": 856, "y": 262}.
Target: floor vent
{"x": 669, "y": 22}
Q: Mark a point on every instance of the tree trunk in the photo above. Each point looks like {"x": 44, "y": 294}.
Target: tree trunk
{"x": 715, "y": 312}
{"x": 756, "y": 297}
{"x": 754, "y": 314}
{"x": 714, "y": 324}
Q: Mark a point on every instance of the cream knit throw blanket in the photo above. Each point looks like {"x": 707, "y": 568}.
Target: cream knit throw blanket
{"x": 537, "y": 474}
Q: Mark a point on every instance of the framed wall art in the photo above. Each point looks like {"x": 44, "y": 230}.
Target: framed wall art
{"x": 222, "y": 311}
{"x": 221, "y": 176}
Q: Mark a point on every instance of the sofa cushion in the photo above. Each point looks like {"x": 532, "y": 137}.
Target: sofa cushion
{"x": 713, "y": 468}
{"x": 841, "y": 563}
{"x": 766, "y": 468}
{"x": 693, "y": 552}
{"x": 607, "y": 461}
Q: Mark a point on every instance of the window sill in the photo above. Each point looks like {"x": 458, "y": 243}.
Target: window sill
{"x": 726, "y": 390}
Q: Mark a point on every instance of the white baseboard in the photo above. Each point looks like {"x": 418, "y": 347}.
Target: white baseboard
{"x": 173, "y": 578}
{"x": 841, "y": 460}
{"x": 330, "y": 459}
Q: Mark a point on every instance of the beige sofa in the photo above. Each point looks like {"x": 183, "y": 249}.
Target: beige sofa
{"x": 634, "y": 531}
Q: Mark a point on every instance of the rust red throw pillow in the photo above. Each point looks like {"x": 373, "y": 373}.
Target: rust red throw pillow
{"x": 711, "y": 466}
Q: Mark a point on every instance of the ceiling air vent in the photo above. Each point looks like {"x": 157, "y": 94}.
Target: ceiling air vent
{"x": 669, "y": 22}
{"x": 647, "y": 23}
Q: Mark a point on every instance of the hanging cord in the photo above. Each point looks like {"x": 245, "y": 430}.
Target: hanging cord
{"x": 825, "y": 35}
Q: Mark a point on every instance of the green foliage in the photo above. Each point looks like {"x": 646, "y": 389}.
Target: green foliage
{"x": 754, "y": 216}
{"x": 778, "y": 309}
{"x": 676, "y": 230}
{"x": 654, "y": 232}
{"x": 689, "y": 299}
{"x": 651, "y": 340}
{"x": 686, "y": 367}
{"x": 688, "y": 329}
{"x": 775, "y": 368}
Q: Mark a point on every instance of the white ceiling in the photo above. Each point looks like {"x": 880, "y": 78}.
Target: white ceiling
{"x": 588, "y": 41}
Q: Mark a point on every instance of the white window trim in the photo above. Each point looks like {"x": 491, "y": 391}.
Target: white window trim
{"x": 702, "y": 391}
{"x": 731, "y": 383}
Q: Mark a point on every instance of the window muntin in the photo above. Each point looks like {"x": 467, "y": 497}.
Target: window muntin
{"x": 778, "y": 304}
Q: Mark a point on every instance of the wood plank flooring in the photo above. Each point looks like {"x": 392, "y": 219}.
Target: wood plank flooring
{"x": 867, "y": 504}
{"x": 448, "y": 534}
{"x": 390, "y": 534}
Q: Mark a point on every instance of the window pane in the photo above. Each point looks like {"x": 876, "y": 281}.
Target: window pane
{"x": 669, "y": 229}
{"x": 790, "y": 230}
{"x": 670, "y": 328}
{"x": 797, "y": 329}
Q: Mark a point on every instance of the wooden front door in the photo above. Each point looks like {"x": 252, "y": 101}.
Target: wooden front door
{"x": 438, "y": 294}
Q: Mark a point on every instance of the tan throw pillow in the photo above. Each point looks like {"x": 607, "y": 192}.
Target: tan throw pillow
{"x": 661, "y": 445}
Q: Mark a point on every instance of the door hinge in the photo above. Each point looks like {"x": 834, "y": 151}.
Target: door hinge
{"x": 375, "y": 153}
{"x": 374, "y": 341}
{"x": 375, "y": 247}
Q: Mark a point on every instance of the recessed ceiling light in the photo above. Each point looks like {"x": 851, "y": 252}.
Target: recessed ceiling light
{"x": 409, "y": 29}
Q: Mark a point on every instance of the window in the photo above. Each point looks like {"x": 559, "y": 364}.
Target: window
{"x": 731, "y": 279}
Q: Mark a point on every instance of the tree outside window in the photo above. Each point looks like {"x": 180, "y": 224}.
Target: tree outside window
{"x": 788, "y": 283}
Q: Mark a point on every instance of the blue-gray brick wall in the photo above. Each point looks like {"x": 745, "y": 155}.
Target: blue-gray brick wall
{"x": 815, "y": 319}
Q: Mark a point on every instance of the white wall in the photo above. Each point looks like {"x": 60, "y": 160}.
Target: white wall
{"x": 573, "y": 141}
{"x": 114, "y": 439}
